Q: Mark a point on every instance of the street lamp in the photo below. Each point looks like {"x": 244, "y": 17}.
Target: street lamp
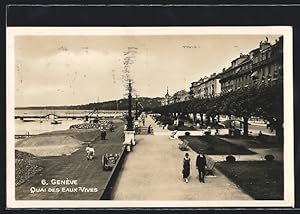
{"x": 129, "y": 119}
{"x": 136, "y": 108}
{"x": 129, "y": 132}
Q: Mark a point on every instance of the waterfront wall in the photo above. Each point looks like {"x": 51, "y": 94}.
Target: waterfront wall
{"x": 110, "y": 184}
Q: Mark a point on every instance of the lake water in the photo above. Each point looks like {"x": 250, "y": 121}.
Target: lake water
{"x": 38, "y": 126}
{"x": 100, "y": 113}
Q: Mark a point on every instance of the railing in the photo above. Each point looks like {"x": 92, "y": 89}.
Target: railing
{"x": 110, "y": 184}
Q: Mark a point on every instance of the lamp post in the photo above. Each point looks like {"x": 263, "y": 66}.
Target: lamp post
{"x": 136, "y": 108}
{"x": 129, "y": 132}
{"x": 129, "y": 119}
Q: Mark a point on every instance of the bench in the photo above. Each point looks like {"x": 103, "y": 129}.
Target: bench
{"x": 143, "y": 131}
{"x": 183, "y": 145}
{"x": 210, "y": 163}
{"x": 173, "y": 135}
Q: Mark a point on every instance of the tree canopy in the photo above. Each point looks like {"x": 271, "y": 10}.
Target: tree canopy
{"x": 265, "y": 101}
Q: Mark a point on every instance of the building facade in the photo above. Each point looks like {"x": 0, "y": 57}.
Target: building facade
{"x": 237, "y": 75}
{"x": 206, "y": 87}
{"x": 267, "y": 64}
{"x": 263, "y": 65}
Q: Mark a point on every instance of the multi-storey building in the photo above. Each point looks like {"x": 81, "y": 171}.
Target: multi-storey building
{"x": 267, "y": 63}
{"x": 262, "y": 65}
{"x": 237, "y": 75}
{"x": 206, "y": 87}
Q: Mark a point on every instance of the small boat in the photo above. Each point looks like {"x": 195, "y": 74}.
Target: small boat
{"x": 28, "y": 120}
{"x": 55, "y": 122}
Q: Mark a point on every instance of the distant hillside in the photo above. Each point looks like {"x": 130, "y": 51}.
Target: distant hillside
{"x": 122, "y": 104}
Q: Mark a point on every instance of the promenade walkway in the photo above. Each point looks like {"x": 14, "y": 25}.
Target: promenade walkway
{"x": 152, "y": 171}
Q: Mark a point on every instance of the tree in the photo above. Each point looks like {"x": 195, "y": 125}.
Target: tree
{"x": 241, "y": 103}
{"x": 265, "y": 101}
{"x": 270, "y": 106}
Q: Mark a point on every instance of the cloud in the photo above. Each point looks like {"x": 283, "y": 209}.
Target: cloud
{"x": 62, "y": 70}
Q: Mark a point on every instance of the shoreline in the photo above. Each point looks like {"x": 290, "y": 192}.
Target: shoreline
{"x": 74, "y": 166}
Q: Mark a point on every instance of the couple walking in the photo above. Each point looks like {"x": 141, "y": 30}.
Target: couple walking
{"x": 200, "y": 165}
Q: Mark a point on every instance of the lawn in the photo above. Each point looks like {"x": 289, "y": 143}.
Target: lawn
{"x": 262, "y": 180}
{"x": 180, "y": 128}
{"x": 212, "y": 145}
{"x": 252, "y": 142}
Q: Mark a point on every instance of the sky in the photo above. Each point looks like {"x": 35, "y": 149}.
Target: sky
{"x": 71, "y": 70}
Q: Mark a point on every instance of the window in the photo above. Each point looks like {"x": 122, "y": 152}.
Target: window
{"x": 267, "y": 70}
{"x": 275, "y": 74}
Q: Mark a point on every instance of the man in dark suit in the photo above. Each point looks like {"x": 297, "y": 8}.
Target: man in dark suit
{"x": 200, "y": 165}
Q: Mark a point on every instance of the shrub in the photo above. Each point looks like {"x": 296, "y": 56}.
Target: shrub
{"x": 269, "y": 157}
{"x": 210, "y": 149}
{"x": 230, "y": 159}
{"x": 207, "y": 133}
{"x": 187, "y": 133}
{"x": 180, "y": 123}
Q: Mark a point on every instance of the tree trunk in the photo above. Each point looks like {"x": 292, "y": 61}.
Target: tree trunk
{"x": 279, "y": 133}
{"x": 201, "y": 118}
{"x": 207, "y": 119}
{"x": 246, "y": 126}
{"x": 194, "y": 116}
{"x": 213, "y": 120}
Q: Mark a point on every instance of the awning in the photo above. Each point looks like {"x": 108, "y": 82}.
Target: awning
{"x": 254, "y": 74}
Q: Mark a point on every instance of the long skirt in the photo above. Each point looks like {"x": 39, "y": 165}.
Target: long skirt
{"x": 186, "y": 172}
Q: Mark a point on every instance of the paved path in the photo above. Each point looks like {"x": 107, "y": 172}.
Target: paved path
{"x": 153, "y": 172}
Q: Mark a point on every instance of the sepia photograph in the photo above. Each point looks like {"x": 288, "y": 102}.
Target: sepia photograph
{"x": 150, "y": 117}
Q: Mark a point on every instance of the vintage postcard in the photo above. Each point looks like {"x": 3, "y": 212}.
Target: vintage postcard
{"x": 149, "y": 117}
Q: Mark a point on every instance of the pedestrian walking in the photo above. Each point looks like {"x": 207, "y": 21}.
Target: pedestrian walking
{"x": 87, "y": 150}
{"x": 149, "y": 129}
{"x": 101, "y": 134}
{"x": 186, "y": 167}
{"x": 200, "y": 165}
{"x": 143, "y": 122}
{"x": 90, "y": 152}
{"x": 104, "y": 135}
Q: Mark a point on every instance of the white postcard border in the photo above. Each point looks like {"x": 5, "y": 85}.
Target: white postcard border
{"x": 286, "y": 31}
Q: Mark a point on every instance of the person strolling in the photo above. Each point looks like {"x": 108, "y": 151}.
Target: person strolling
{"x": 90, "y": 152}
{"x": 149, "y": 129}
{"x": 186, "y": 167}
{"x": 87, "y": 150}
{"x": 200, "y": 165}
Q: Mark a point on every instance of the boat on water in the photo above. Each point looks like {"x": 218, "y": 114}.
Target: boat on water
{"x": 55, "y": 122}
{"x": 27, "y": 120}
